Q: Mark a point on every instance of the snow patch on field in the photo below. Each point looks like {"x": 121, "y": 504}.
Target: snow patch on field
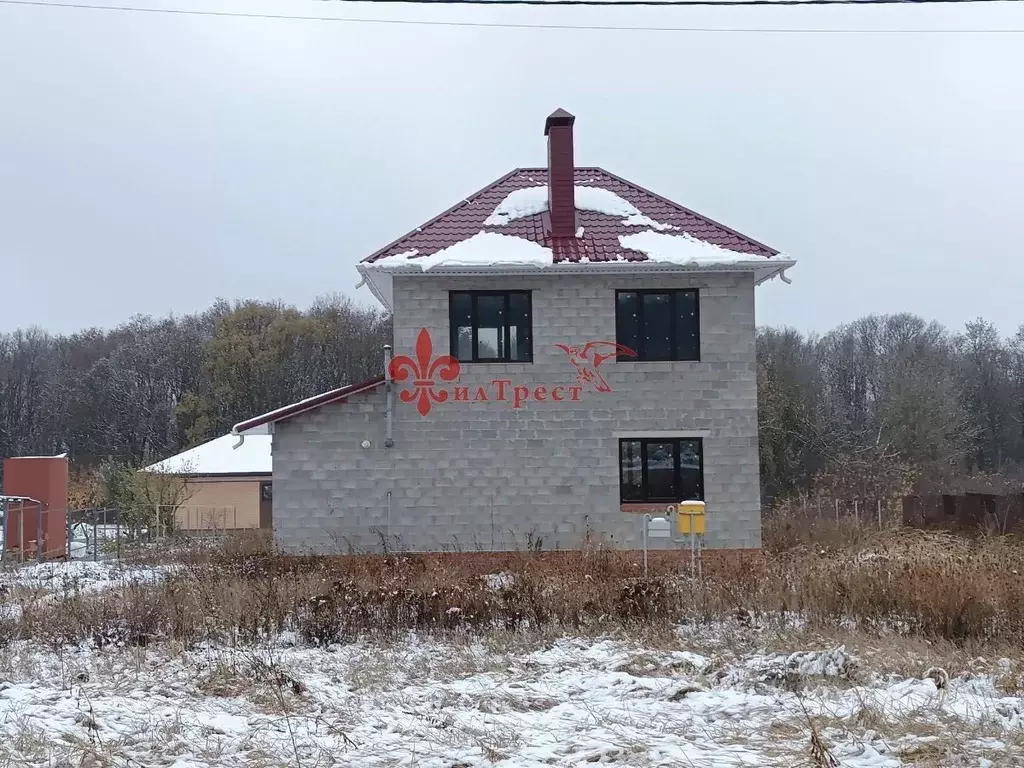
{"x": 81, "y": 576}
{"x": 573, "y": 702}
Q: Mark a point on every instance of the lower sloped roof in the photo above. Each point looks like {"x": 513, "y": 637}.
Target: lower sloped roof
{"x": 221, "y": 456}
{"x": 310, "y": 403}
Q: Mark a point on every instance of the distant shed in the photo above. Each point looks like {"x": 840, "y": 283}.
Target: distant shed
{"x": 228, "y": 486}
{"x": 37, "y": 486}
{"x": 997, "y": 513}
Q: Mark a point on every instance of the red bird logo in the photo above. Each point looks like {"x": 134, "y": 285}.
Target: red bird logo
{"x": 587, "y": 358}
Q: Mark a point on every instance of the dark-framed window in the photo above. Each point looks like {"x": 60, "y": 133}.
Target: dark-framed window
{"x": 491, "y": 326}
{"x": 661, "y": 469}
{"x": 659, "y": 325}
{"x": 266, "y": 491}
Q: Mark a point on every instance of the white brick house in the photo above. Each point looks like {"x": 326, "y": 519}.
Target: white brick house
{"x": 570, "y": 350}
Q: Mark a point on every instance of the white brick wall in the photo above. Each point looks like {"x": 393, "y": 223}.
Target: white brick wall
{"x": 483, "y": 475}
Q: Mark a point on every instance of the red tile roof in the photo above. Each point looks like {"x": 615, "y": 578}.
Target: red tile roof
{"x": 600, "y": 241}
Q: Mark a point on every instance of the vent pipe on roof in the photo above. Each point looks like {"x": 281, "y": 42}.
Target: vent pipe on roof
{"x": 561, "y": 200}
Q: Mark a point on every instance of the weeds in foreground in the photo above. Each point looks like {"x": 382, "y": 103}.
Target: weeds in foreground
{"x": 927, "y": 585}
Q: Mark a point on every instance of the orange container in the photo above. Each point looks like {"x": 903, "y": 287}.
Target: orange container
{"x": 45, "y": 479}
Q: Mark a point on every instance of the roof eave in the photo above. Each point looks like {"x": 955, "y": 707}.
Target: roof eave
{"x": 763, "y": 268}
{"x": 211, "y": 475}
{"x": 382, "y": 290}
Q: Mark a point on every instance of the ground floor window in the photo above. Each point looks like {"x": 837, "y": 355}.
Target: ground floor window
{"x": 661, "y": 469}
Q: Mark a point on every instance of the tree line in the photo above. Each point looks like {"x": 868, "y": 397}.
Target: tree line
{"x": 152, "y": 387}
{"x": 879, "y": 405}
{"x": 890, "y": 404}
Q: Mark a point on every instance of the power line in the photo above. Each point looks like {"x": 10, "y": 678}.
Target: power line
{"x": 603, "y": 3}
{"x": 512, "y": 25}
{"x": 668, "y": 2}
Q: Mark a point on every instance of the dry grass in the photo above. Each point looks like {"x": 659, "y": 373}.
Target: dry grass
{"x": 915, "y": 584}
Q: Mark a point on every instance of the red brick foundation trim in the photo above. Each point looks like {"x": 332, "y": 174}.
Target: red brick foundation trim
{"x": 656, "y": 508}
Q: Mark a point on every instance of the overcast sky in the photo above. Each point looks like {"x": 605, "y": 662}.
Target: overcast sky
{"x": 150, "y": 163}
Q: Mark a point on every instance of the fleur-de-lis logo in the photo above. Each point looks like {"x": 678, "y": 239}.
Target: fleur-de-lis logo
{"x": 422, "y": 371}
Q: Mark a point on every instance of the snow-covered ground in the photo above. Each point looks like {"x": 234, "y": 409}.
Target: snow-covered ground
{"x": 570, "y": 702}
{"x": 83, "y": 576}
{"x": 716, "y": 696}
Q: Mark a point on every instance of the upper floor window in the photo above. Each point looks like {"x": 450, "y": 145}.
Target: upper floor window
{"x": 659, "y": 325}
{"x": 491, "y": 326}
{"x": 661, "y": 469}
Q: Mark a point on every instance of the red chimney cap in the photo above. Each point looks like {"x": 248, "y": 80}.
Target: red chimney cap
{"x": 558, "y": 118}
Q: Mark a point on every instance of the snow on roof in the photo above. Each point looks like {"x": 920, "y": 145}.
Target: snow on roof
{"x": 482, "y": 249}
{"x": 605, "y": 201}
{"x": 518, "y": 205}
{"x": 220, "y": 457}
{"x": 684, "y": 250}
{"x": 533, "y": 200}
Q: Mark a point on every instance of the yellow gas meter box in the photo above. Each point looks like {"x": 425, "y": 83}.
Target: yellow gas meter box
{"x": 691, "y": 517}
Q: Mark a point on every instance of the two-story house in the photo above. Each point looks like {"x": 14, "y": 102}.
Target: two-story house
{"x": 570, "y": 350}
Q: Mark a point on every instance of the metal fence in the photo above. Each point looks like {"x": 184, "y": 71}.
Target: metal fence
{"x": 96, "y": 534}
{"x": 104, "y": 534}
{"x": 192, "y": 519}
{"x": 872, "y": 512}
{"x": 28, "y": 530}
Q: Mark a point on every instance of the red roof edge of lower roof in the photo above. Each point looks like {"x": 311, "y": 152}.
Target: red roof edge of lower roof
{"x": 290, "y": 411}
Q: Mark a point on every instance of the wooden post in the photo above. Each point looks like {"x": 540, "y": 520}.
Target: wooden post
{"x": 837, "y": 511}
{"x": 879, "y": 514}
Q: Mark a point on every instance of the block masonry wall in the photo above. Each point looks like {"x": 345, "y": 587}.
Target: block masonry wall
{"x": 487, "y": 476}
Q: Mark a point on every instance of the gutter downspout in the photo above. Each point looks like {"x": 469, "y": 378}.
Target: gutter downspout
{"x": 389, "y": 388}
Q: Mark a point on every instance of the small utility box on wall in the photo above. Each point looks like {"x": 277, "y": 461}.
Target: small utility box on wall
{"x": 37, "y": 527}
{"x": 659, "y": 528}
{"x": 691, "y": 518}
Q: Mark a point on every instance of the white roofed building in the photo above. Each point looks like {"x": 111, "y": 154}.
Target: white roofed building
{"x": 228, "y": 483}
